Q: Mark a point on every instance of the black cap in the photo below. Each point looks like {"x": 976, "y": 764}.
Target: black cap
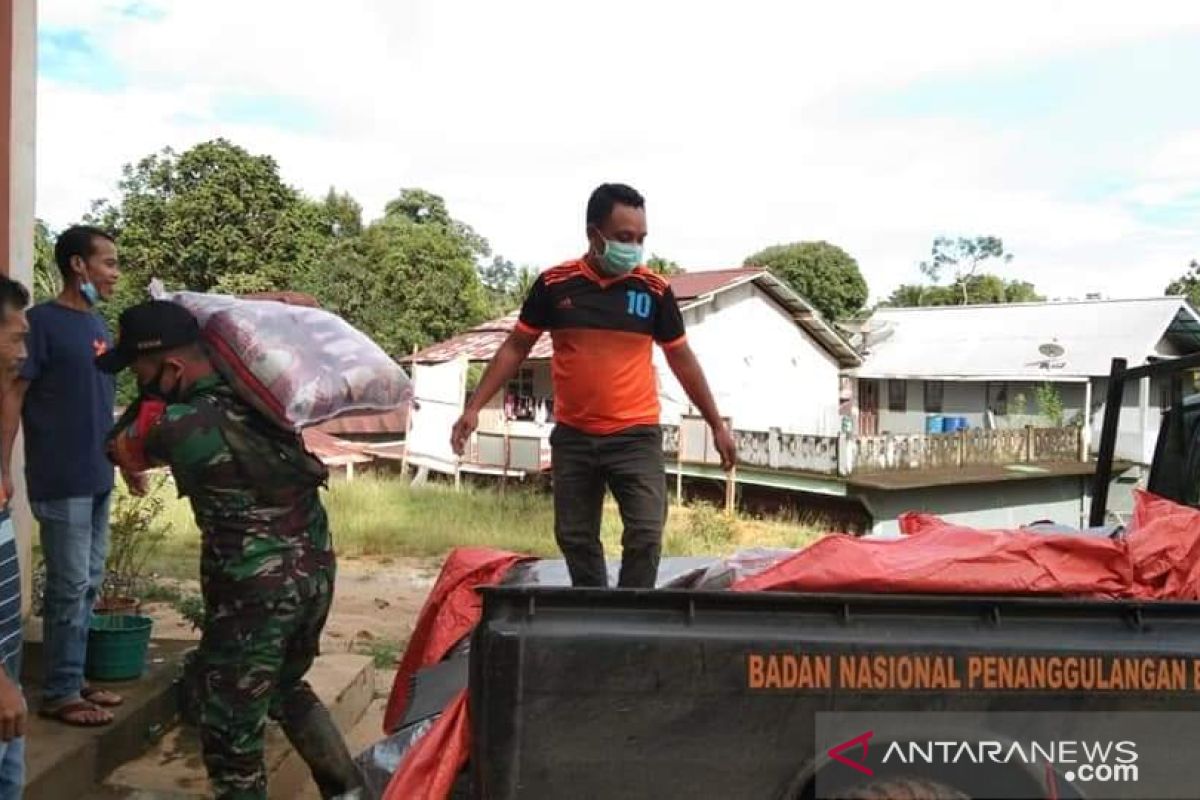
{"x": 148, "y": 328}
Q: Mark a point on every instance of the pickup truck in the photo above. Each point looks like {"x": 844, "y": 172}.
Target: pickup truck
{"x": 692, "y": 693}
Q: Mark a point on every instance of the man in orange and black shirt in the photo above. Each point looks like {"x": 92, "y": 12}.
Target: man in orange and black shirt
{"x": 605, "y": 312}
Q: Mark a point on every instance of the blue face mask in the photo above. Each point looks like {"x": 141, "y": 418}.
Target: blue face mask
{"x": 88, "y": 290}
{"x": 620, "y": 258}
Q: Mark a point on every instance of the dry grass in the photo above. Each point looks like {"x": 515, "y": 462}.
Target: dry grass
{"x": 378, "y": 516}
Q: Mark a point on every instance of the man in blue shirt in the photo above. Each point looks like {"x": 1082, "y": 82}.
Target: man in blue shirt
{"x": 66, "y": 407}
{"x": 13, "y": 327}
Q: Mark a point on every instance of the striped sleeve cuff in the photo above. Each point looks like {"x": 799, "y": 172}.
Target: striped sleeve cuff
{"x": 528, "y": 329}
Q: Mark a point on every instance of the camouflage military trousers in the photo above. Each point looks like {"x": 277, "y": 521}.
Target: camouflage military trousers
{"x": 254, "y": 653}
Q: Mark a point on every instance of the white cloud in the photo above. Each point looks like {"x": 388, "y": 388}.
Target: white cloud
{"x": 729, "y": 118}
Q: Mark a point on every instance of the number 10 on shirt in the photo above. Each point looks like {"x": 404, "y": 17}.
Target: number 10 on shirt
{"x": 639, "y": 304}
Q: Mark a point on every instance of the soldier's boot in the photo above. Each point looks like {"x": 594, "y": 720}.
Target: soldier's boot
{"x": 319, "y": 742}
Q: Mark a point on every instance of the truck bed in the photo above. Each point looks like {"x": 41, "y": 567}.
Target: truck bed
{"x": 686, "y": 694}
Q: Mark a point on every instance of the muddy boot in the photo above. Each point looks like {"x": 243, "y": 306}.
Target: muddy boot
{"x": 319, "y": 742}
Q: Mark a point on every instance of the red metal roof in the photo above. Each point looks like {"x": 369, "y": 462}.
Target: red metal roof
{"x": 331, "y": 449}
{"x": 690, "y": 285}
{"x": 389, "y": 423}
{"x": 481, "y": 342}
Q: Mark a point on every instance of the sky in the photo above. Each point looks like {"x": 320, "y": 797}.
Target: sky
{"x": 1070, "y": 129}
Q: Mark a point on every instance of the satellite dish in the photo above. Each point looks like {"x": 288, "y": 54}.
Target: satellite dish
{"x": 1052, "y": 350}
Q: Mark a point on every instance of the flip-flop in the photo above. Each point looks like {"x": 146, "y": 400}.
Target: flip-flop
{"x": 64, "y": 712}
{"x": 92, "y": 695}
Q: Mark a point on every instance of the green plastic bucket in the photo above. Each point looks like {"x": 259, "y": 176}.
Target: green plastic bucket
{"x": 117, "y": 645}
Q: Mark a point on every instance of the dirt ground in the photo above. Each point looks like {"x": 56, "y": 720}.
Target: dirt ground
{"x": 376, "y": 602}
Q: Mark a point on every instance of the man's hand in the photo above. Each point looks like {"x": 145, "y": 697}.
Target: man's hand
{"x": 463, "y": 429}
{"x": 138, "y": 482}
{"x": 12, "y": 709}
{"x": 726, "y": 446}
{"x": 9, "y": 490}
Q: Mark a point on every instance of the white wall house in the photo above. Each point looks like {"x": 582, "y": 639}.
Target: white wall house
{"x": 986, "y": 364}
{"x": 770, "y": 359}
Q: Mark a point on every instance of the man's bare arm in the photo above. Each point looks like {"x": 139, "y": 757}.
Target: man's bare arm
{"x": 682, "y": 361}
{"x": 12, "y": 399}
{"x": 500, "y": 370}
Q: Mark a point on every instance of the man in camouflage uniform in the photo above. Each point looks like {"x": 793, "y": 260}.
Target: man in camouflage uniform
{"x": 267, "y": 564}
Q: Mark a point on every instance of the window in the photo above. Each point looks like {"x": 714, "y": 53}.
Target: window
{"x": 997, "y": 399}
{"x": 897, "y": 396}
{"x": 522, "y": 385}
{"x": 934, "y": 390}
{"x": 519, "y": 402}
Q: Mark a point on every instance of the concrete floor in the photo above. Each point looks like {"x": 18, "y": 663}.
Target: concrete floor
{"x": 63, "y": 761}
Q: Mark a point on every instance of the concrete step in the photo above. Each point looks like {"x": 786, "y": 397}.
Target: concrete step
{"x": 63, "y": 761}
{"x": 173, "y": 769}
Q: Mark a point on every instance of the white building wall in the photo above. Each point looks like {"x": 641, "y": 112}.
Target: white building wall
{"x": 764, "y": 370}
{"x": 22, "y": 73}
{"x": 969, "y": 399}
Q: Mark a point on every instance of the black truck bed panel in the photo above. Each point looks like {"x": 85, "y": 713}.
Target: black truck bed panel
{"x": 664, "y": 694}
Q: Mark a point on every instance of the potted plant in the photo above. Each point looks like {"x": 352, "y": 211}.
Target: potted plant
{"x": 120, "y": 636}
{"x": 136, "y": 532}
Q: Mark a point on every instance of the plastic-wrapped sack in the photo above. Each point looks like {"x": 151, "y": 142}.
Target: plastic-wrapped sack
{"x": 298, "y": 365}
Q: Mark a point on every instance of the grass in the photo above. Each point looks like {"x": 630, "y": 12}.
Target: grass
{"x": 384, "y": 653}
{"x": 377, "y": 516}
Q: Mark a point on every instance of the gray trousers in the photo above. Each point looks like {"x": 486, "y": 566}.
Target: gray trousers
{"x": 629, "y": 464}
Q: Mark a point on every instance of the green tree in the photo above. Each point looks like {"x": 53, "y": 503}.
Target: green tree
{"x": 981, "y": 288}
{"x": 963, "y": 257}
{"x": 341, "y": 215}
{"x": 1050, "y": 404}
{"x": 1188, "y": 284}
{"x": 663, "y": 266}
{"x": 410, "y": 279}
{"x": 47, "y": 282}
{"x": 822, "y": 273}
{"x": 526, "y": 277}
{"x": 214, "y": 218}
{"x": 499, "y": 278}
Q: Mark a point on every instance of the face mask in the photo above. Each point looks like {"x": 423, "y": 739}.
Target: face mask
{"x": 88, "y": 289}
{"x": 153, "y": 388}
{"x": 620, "y": 257}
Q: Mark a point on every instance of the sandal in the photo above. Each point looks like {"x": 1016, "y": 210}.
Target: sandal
{"x": 101, "y": 697}
{"x": 79, "y": 713}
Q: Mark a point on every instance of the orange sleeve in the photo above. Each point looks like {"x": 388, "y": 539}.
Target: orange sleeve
{"x": 674, "y": 344}
{"x": 527, "y": 329}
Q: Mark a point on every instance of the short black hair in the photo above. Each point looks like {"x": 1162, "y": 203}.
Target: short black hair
{"x": 13, "y": 296}
{"x": 607, "y": 195}
{"x": 78, "y": 240}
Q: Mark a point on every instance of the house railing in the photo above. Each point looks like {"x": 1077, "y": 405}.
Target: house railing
{"x": 966, "y": 448}
{"x": 845, "y": 455}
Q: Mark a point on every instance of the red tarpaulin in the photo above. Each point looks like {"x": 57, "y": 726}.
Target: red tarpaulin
{"x": 430, "y": 767}
{"x": 450, "y": 612}
{"x": 1158, "y": 559}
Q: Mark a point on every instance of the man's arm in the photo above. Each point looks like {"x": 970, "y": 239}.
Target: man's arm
{"x": 688, "y": 372}
{"x": 500, "y": 370}
{"x": 11, "y": 401}
{"x": 12, "y": 708}
{"x": 116, "y": 446}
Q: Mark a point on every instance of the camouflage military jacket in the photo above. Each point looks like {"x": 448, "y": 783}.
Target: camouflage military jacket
{"x": 253, "y": 487}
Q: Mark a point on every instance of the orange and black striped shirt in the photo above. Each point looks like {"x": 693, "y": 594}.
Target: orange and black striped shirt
{"x": 603, "y": 331}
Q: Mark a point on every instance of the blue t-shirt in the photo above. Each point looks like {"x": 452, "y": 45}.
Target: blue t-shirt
{"x": 68, "y": 409}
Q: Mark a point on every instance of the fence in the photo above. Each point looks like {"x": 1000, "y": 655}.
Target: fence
{"x": 691, "y": 443}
